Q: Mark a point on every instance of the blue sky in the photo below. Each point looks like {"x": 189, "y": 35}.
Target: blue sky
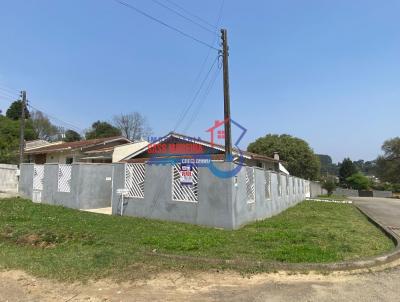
{"x": 325, "y": 71}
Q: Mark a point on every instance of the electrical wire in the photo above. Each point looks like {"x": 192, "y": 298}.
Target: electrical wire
{"x": 191, "y": 14}
{"x": 70, "y": 125}
{"x": 208, "y": 53}
{"x": 184, "y": 17}
{"x": 183, "y": 115}
{"x": 204, "y": 98}
{"x": 165, "y": 24}
{"x": 11, "y": 95}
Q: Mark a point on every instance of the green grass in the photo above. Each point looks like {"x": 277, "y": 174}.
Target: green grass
{"x": 56, "y": 242}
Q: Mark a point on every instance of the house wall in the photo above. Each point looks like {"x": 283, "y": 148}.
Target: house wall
{"x": 61, "y": 157}
{"x": 8, "y": 178}
{"x": 90, "y": 185}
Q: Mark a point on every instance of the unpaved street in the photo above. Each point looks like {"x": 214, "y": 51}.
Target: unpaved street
{"x": 379, "y": 286}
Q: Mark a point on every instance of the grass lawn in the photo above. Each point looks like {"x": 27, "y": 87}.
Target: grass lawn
{"x": 67, "y": 244}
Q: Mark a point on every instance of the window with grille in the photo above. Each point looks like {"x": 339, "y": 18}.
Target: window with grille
{"x": 267, "y": 178}
{"x": 185, "y": 192}
{"x": 250, "y": 185}
{"x": 134, "y": 180}
{"x": 64, "y": 178}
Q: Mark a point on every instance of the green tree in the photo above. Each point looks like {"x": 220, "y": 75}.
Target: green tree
{"x": 329, "y": 184}
{"x": 300, "y": 158}
{"x": 15, "y": 110}
{"x": 9, "y": 139}
{"x": 102, "y": 129}
{"x": 327, "y": 166}
{"x": 72, "y": 136}
{"x": 388, "y": 165}
{"x": 358, "y": 181}
{"x": 346, "y": 169}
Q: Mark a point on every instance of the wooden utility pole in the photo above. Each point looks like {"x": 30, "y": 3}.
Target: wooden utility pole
{"x": 227, "y": 105}
{"x": 22, "y": 129}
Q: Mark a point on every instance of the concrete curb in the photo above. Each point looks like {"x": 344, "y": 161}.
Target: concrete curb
{"x": 366, "y": 263}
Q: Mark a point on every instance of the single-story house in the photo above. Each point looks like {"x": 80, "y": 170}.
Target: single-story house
{"x": 122, "y": 151}
{"x": 98, "y": 150}
{"x": 176, "y": 146}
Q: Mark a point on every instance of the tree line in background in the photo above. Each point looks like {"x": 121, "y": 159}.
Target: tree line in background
{"x": 380, "y": 174}
{"x": 133, "y": 125}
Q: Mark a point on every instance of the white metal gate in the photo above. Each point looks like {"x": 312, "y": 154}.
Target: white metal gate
{"x": 250, "y": 185}
{"x": 181, "y": 192}
{"x": 134, "y": 180}
{"x": 64, "y": 178}
{"x": 267, "y": 179}
{"x": 38, "y": 177}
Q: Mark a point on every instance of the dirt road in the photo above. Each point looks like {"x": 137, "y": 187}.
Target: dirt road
{"x": 379, "y": 286}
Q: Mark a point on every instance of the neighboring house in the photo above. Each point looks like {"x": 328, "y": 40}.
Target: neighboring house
{"x": 90, "y": 151}
{"x": 185, "y": 146}
{"x": 38, "y": 144}
{"x": 122, "y": 151}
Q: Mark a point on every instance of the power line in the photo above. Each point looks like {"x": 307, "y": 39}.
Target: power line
{"x": 10, "y": 95}
{"x": 191, "y": 14}
{"x": 70, "y": 125}
{"x": 165, "y": 24}
{"x": 183, "y": 114}
{"x": 184, "y": 17}
{"x": 8, "y": 89}
{"x": 6, "y": 97}
{"x": 208, "y": 53}
{"x": 200, "y": 104}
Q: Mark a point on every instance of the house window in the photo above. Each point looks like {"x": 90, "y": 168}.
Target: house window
{"x": 69, "y": 160}
{"x": 184, "y": 192}
{"x": 267, "y": 178}
{"x": 134, "y": 180}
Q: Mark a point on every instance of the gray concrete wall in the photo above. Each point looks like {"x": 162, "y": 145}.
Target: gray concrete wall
{"x": 345, "y": 192}
{"x": 245, "y": 211}
{"x": 384, "y": 194}
{"x": 8, "y": 178}
{"x": 89, "y": 185}
{"x": 316, "y": 189}
{"x": 25, "y": 186}
{"x": 221, "y": 203}
{"x": 356, "y": 193}
{"x": 213, "y": 207}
